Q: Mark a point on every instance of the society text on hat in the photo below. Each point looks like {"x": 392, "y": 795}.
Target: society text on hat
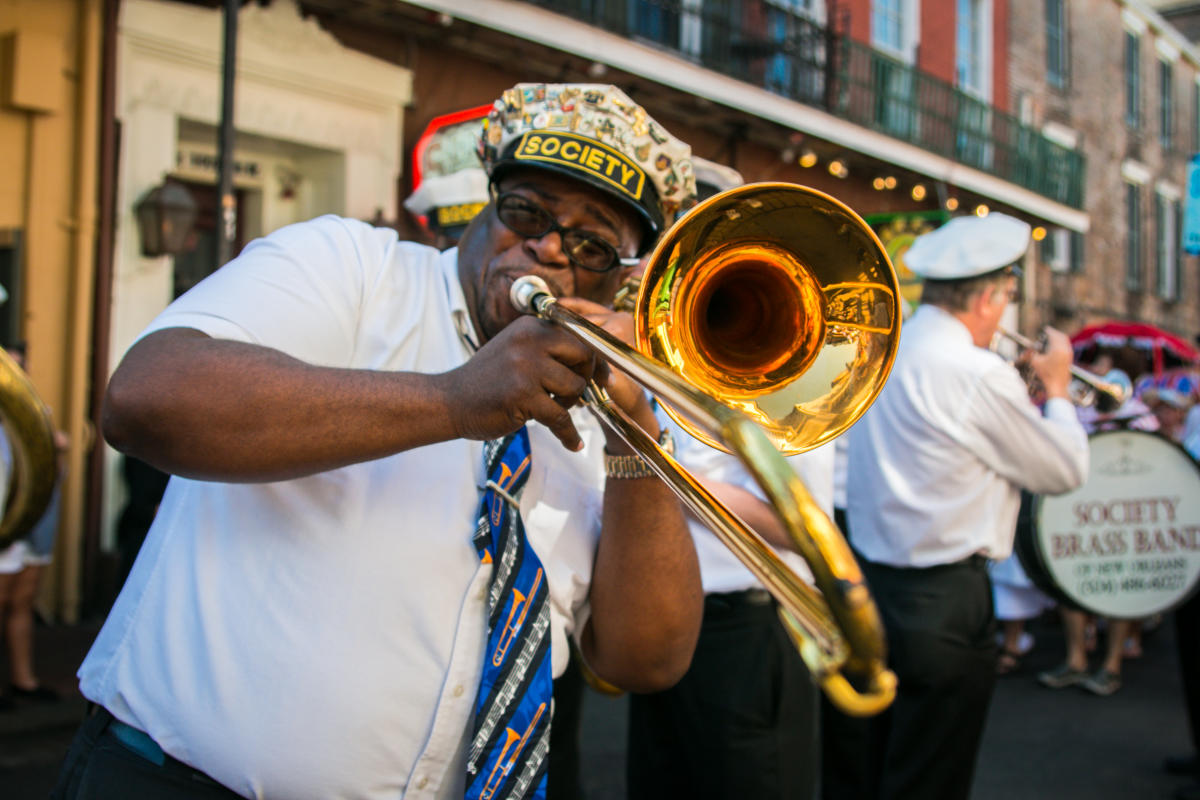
{"x": 595, "y": 133}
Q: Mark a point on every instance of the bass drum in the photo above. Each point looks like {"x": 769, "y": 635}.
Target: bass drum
{"x": 1126, "y": 544}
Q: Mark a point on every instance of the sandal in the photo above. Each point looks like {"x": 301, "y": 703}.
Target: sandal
{"x": 1008, "y": 662}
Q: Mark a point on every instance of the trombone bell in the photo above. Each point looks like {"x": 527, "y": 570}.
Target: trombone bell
{"x": 778, "y": 301}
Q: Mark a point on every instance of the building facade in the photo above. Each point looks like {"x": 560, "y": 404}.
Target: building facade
{"x": 1120, "y": 84}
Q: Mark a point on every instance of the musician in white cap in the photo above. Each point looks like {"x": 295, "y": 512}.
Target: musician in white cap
{"x": 937, "y": 465}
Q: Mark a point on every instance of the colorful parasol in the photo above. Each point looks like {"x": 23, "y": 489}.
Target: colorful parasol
{"x": 1165, "y": 350}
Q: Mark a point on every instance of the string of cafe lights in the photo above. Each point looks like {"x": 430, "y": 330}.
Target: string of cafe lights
{"x": 838, "y": 168}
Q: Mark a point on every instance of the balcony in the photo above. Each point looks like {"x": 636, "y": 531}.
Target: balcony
{"x": 769, "y": 43}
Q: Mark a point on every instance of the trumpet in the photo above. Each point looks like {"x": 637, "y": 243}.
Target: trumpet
{"x": 767, "y": 321}
{"x": 1086, "y": 388}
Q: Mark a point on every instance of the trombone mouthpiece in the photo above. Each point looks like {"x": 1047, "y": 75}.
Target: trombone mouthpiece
{"x": 525, "y": 291}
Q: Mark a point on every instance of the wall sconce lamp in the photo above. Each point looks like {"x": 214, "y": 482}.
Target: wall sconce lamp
{"x": 165, "y": 217}
{"x": 808, "y": 158}
{"x": 838, "y": 168}
{"x": 918, "y": 192}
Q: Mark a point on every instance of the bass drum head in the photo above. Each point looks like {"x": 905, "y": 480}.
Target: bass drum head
{"x": 1126, "y": 544}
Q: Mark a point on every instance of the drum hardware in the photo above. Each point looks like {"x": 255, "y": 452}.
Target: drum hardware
{"x": 767, "y": 322}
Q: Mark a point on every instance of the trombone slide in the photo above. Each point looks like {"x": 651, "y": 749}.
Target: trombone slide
{"x": 837, "y": 629}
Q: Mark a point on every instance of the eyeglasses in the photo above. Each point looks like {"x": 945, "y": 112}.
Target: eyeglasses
{"x": 586, "y": 250}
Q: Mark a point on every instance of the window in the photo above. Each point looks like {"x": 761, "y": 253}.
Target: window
{"x": 1056, "y": 42}
{"x": 796, "y": 67}
{"x": 1133, "y": 80}
{"x": 1133, "y": 240}
{"x": 1166, "y": 215}
{"x": 1062, "y": 251}
{"x": 1057, "y": 251}
{"x": 1195, "y": 118}
{"x": 1076, "y": 261}
{"x": 10, "y": 278}
{"x": 887, "y": 25}
{"x": 1166, "y": 116}
{"x": 656, "y": 22}
{"x": 970, "y": 49}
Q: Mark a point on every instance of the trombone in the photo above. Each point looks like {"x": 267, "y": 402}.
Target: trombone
{"x": 767, "y": 322}
{"x": 1086, "y": 388}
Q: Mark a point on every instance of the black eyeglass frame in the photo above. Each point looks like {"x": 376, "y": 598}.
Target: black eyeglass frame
{"x": 552, "y": 226}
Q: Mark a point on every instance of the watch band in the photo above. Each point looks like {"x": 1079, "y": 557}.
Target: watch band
{"x": 634, "y": 466}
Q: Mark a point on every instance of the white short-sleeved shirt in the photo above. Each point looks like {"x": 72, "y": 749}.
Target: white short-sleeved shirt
{"x": 720, "y": 570}
{"x": 936, "y": 465}
{"x": 322, "y": 637}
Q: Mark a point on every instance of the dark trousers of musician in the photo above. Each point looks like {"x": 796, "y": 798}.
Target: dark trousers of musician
{"x": 108, "y": 761}
{"x": 1187, "y": 641}
{"x": 940, "y": 627}
{"x": 741, "y": 723}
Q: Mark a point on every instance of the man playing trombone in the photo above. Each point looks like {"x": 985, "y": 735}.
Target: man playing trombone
{"x": 936, "y": 467}
{"x": 346, "y": 592}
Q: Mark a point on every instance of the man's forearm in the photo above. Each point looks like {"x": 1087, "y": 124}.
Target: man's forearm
{"x": 646, "y": 596}
{"x": 222, "y": 410}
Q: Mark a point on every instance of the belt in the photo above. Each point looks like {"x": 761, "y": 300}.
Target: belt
{"x": 743, "y": 599}
{"x": 138, "y": 741}
{"x": 977, "y": 561}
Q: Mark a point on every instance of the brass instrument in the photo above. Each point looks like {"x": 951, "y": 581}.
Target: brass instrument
{"x": 30, "y": 434}
{"x": 767, "y": 322}
{"x": 1086, "y": 388}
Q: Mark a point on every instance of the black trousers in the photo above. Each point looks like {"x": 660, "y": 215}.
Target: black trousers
{"x": 940, "y": 626}
{"x": 1187, "y": 642}
{"x": 101, "y": 767}
{"x": 742, "y": 722}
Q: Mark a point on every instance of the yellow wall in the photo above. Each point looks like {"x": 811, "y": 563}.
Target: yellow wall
{"x": 49, "y": 88}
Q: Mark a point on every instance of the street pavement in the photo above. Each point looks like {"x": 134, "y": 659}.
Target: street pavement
{"x": 1057, "y": 745}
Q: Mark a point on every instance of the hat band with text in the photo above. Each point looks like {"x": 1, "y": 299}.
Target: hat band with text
{"x": 459, "y": 214}
{"x": 586, "y": 155}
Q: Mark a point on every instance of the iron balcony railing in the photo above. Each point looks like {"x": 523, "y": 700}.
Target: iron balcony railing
{"x": 882, "y": 93}
{"x": 771, "y": 43}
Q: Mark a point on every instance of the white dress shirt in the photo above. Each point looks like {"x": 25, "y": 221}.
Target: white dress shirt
{"x": 720, "y": 570}
{"x": 323, "y": 637}
{"x": 936, "y": 465}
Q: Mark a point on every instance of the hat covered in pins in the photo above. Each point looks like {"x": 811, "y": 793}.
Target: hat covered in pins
{"x": 597, "y": 134}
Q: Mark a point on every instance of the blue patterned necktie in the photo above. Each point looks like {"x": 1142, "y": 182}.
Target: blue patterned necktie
{"x": 510, "y": 737}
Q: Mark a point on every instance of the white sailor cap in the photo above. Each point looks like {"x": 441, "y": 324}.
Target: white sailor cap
{"x": 450, "y": 200}
{"x": 968, "y": 246}
{"x": 713, "y": 178}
